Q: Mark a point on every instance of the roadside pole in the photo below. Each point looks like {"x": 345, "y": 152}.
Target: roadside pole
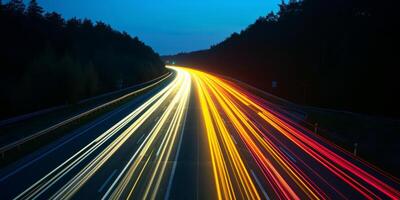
{"x": 355, "y": 149}
{"x": 316, "y": 128}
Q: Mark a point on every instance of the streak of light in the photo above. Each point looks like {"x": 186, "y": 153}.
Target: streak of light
{"x": 224, "y": 154}
{"x": 222, "y": 101}
{"x": 137, "y": 118}
{"x": 169, "y": 138}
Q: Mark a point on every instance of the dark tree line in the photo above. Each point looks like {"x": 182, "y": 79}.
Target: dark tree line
{"x": 46, "y": 60}
{"x": 340, "y": 54}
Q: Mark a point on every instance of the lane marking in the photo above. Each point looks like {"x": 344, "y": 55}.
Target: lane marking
{"x": 287, "y": 154}
{"x": 140, "y": 139}
{"x": 259, "y": 184}
{"x": 161, "y": 146}
{"x": 106, "y": 182}
{"x": 234, "y": 140}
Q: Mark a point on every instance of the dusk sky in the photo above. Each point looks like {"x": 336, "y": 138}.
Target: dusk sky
{"x": 169, "y": 26}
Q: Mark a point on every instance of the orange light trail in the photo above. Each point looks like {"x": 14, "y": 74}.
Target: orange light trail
{"x": 229, "y": 110}
{"x": 220, "y": 144}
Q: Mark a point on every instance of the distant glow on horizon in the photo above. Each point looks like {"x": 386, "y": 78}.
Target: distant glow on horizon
{"x": 169, "y": 26}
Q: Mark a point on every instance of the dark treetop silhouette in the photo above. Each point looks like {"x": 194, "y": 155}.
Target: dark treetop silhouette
{"x": 46, "y": 60}
{"x": 339, "y": 54}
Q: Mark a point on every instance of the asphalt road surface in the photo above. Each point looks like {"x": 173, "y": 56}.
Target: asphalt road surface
{"x": 196, "y": 137}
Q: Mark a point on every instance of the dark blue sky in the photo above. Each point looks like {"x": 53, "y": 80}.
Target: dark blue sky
{"x": 169, "y": 26}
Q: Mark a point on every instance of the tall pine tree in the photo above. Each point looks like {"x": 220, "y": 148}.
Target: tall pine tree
{"x": 15, "y": 6}
{"x": 34, "y": 10}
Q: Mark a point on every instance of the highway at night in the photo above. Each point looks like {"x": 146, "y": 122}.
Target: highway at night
{"x": 194, "y": 135}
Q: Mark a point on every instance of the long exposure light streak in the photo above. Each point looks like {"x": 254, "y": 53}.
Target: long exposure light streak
{"x": 275, "y": 142}
{"x": 180, "y": 86}
{"x": 253, "y": 149}
{"x": 220, "y": 141}
{"x": 179, "y": 102}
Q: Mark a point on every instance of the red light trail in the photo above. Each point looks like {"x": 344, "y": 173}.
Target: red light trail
{"x": 293, "y": 162}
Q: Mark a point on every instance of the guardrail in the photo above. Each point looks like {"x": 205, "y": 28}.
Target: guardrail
{"x": 23, "y": 117}
{"x": 17, "y": 144}
{"x": 28, "y": 116}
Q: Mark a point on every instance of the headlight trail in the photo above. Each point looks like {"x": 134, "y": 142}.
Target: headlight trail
{"x": 253, "y": 149}
{"x": 179, "y": 89}
{"x": 161, "y": 157}
{"x": 278, "y": 145}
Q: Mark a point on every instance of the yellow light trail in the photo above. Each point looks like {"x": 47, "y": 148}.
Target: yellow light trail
{"x": 231, "y": 176}
{"x": 239, "y": 119}
{"x": 220, "y": 98}
{"x": 212, "y": 91}
{"x": 227, "y": 111}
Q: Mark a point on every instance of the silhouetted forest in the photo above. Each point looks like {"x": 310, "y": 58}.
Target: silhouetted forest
{"x": 340, "y": 54}
{"x": 46, "y": 60}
